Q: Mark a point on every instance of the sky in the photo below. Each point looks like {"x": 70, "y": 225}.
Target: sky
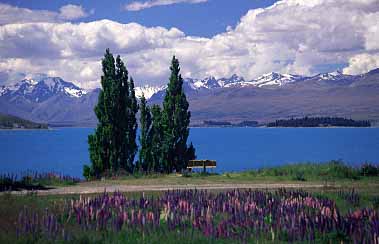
{"x": 209, "y": 37}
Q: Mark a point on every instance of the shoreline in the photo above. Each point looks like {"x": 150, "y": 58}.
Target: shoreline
{"x": 260, "y": 127}
{"x": 24, "y": 129}
{"x": 202, "y": 127}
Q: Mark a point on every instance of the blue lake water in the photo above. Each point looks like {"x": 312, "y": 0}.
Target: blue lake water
{"x": 65, "y": 150}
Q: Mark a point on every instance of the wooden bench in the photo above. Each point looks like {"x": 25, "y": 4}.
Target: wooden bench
{"x": 204, "y": 164}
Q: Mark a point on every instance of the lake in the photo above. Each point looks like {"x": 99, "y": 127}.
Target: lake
{"x": 65, "y": 150}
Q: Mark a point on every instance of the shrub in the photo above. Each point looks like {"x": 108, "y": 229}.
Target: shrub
{"x": 87, "y": 172}
{"x": 299, "y": 176}
{"x": 368, "y": 169}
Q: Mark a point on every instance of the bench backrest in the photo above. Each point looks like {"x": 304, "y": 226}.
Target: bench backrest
{"x": 201, "y": 164}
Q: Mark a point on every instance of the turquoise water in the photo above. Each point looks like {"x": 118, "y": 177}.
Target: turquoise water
{"x": 65, "y": 150}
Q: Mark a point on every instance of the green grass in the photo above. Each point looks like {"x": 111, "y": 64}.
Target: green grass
{"x": 333, "y": 170}
{"x": 35, "y": 181}
{"x": 330, "y": 173}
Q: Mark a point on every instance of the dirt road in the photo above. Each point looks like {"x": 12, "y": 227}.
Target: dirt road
{"x": 80, "y": 189}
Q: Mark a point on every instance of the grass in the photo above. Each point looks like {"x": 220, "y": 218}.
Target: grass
{"x": 330, "y": 173}
{"x": 35, "y": 181}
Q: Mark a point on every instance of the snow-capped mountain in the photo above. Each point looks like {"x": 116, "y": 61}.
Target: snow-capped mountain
{"x": 148, "y": 91}
{"x": 211, "y": 82}
{"x": 331, "y": 76}
{"x": 207, "y": 83}
{"x": 39, "y": 87}
{"x": 267, "y": 80}
{"x": 228, "y": 82}
{"x": 275, "y": 79}
{"x": 38, "y": 90}
{"x": 52, "y": 100}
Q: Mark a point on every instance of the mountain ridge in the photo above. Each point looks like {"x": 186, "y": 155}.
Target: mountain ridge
{"x": 269, "y": 97}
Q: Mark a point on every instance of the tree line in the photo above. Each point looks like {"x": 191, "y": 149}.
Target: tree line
{"x": 163, "y": 134}
{"x": 319, "y": 122}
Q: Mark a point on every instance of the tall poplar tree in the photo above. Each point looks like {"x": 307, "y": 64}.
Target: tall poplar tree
{"x": 113, "y": 144}
{"x": 100, "y": 141}
{"x": 175, "y": 121}
{"x": 145, "y": 136}
{"x": 131, "y": 147}
{"x": 158, "y": 158}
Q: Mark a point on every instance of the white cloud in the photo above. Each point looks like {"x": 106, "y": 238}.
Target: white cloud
{"x": 362, "y": 63}
{"x": 71, "y": 11}
{"x": 139, "y": 5}
{"x": 291, "y": 36}
{"x": 11, "y": 14}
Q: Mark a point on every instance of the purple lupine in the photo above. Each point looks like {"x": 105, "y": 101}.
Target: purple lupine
{"x": 237, "y": 214}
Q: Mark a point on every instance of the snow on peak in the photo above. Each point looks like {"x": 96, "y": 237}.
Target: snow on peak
{"x": 211, "y": 82}
{"x": 57, "y": 85}
{"x": 3, "y": 90}
{"x": 40, "y": 90}
{"x": 330, "y": 76}
{"x": 206, "y": 83}
{"x": 147, "y": 90}
{"x": 275, "y": 79}
{"x": 75, "y": 92}
{"x": 234, "y": 79}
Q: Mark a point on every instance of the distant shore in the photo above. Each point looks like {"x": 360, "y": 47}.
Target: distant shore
{"x": 192, "y": 127}
{"x": 22, "y": 129}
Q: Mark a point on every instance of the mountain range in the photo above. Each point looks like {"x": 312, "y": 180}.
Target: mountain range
{"x": 271, "y": 96}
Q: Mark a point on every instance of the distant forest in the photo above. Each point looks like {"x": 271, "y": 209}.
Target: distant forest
{"x": 13, "y": 122}
{"x": 319, "y": 122}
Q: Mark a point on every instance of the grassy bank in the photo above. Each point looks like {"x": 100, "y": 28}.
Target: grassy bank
{"x": 329, "y": 174}
{"x": 35, "y": 181}
{"x": 333, "y": 172}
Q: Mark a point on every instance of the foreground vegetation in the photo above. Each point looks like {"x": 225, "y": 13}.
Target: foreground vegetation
{"x": 193, "y": 216}
{"x": 345, "y": 210}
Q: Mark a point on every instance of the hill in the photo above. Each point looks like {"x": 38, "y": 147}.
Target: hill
{"x": 13, "y": 122}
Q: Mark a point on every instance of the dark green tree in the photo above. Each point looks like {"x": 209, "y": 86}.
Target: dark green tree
{"x": 175, "y": 121}
{"x": 100, "y": 141}
{"x": 131, "y": 147}
{"x": 191, "y": 153}
{"x": 113, "y": 144}
{"x": 158, "y": 161}
{"x": 145, "y": 136}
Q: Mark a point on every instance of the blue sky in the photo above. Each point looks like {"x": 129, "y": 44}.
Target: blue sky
{"x": 210, "y": 37}
{"x": 204, "y": 19}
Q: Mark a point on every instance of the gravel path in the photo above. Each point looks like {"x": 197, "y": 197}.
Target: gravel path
{"x": 141, "y": 188}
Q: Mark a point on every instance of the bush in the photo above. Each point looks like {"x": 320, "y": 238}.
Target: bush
{"x": 368, "y": 169}
{"x": 337, "y": 169}
{"x": 87, "y": 172}
{"x": 299, "y": 176}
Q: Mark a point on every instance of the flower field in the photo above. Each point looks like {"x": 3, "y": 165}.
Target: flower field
{"x": 244, "y": 216}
